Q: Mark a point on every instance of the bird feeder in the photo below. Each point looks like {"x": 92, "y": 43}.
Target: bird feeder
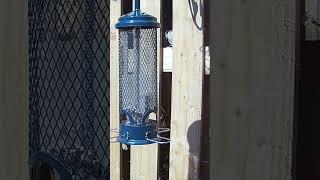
{"x": 138, "y": 80}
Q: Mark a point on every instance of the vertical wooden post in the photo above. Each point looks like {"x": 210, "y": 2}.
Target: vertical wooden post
{"x": 144, "y": 159}
{"x": 14, "y": 89}
{"x": 187, "y": 82}
{"x": 212, "y": 73}
{"x": 115, "y": 151}
{"x": 253, "y": 86}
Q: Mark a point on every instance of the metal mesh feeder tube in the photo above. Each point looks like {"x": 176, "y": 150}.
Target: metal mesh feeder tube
{"x": 138, "y": 80}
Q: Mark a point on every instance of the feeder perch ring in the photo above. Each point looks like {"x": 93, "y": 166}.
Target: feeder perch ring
{"x": 159, "y": 139}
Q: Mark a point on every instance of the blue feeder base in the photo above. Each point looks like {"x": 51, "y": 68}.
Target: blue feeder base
{"x": 137, "y": 134}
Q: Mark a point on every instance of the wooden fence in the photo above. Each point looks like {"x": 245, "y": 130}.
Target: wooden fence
{"x": 181, "y": 90}
{"x": 253, "y": 92}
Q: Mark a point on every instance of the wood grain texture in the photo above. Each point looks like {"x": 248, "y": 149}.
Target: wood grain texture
{"x": 115, "y": 151}
{"x": 14, "y": 90}
{"x": 187, "y": 82}
{"x": 212, "y": 74}
{"x": 253, "y": 85}
{"x": 144, "y": 159}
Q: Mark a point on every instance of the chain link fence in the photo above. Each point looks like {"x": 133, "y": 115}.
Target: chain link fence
{"x": 69, "y": 84}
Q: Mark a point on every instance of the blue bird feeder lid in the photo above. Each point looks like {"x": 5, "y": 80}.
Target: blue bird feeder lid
{"x": 137, "y": 19}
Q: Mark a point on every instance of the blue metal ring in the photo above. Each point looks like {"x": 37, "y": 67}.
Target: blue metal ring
{"x": 137, "y": 135}
{"x": 51, "y": 162}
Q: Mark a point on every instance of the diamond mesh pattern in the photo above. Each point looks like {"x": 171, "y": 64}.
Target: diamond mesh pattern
{"x": 138, "y": 72}
{"x": 69, "y": 84}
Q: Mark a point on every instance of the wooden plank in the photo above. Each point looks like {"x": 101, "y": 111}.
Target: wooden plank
{"x": 253, "y": 83}
{"x": 14, "y": 89}
{"x": 115, "y": 150}
{"x": 144, "y": 159}
{"x": 212, "y": 73}
{"x": 187, "y": 82}
{"x": 299, "y": 41}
